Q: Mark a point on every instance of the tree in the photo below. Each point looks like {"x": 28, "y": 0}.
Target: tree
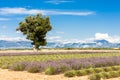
{"x": 35, "y": 28}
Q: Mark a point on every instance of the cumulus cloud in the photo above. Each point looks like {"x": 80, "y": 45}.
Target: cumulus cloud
{"x": 58, "y": 1}
{"x": 5, "y": 11}
{"x": 97, "y": 36}
{"x": 106, "y": 36}
{"x": 101, "y": 36}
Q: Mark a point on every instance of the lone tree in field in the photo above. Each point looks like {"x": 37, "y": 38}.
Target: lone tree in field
{"x": 35, "y": 28}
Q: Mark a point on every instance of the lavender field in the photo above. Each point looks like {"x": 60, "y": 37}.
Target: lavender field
{"x": 8, "y": 59}
{"x": 71, "y": 64}
{"x": 58, "y": 62}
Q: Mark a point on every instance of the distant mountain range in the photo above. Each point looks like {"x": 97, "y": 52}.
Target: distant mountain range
{"x": 4, "y": 44}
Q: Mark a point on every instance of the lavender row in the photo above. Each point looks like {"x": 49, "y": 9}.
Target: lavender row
{"x": 70, "y": 64}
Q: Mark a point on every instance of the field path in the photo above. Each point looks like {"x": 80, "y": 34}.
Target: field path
{"x": 5, "y": 74}
{"x": 18, "y": 75}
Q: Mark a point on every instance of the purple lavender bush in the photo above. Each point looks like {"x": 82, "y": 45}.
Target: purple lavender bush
{"x": 72, "y": 64}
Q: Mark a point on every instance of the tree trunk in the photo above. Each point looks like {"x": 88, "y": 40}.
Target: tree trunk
{"x": 35, "y": 49}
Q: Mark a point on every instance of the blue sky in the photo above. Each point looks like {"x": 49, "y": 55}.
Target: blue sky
{"x": 72, "y": 20}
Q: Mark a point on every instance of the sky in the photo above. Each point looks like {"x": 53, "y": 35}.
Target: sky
{"x": 72, "y": 20}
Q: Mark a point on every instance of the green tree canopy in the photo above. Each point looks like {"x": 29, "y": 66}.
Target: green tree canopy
{"x": 35, "y": 28}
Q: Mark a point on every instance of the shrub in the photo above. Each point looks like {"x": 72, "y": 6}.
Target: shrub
{"x": 116, "y": 68}
{"x": 50, "y": 71}
{"x": 119, "y": 72}
{"x": 105, "y": 75}
{"x": 76, "y": 66}
{"x": 81, "y": 72}
{"x": 18, "y": 67}
{"x": 5, "y": 66}
{"x": 98, "y": 70}
{"x": 33, "y": 69}
{"x": 106, "y": 69}
{"x": 71, "y": 73}
{"x": 95, "y": 77}
{"x": 90, "y": 71}
{"x": 63, "y": 69}
{"x": 114, "y": 74}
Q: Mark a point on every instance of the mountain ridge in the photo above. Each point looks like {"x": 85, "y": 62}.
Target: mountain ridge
{"x": 93, "y": 44}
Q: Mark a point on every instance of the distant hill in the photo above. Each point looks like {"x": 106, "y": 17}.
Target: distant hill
{"x": 14, "y": 44}
{"x": 27, "y": 44}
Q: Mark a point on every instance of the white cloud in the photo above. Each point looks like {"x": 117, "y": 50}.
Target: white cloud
{"x": 4, "y": 37}
{"x": 98, "y": 36}
{"x": 54, "y": 37}
{"x": 19, "y": 11}
{"x": 112, "y": 39}
{"x": 4, "y": 19}
{"x": 61, "y": 40}
{"x": 101, "y": 36}
{"x": 5, "y": 11}
{"x": 58, "y": 1}
{"x": 18, "y": 32}
{"x": 70, "y": 13}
